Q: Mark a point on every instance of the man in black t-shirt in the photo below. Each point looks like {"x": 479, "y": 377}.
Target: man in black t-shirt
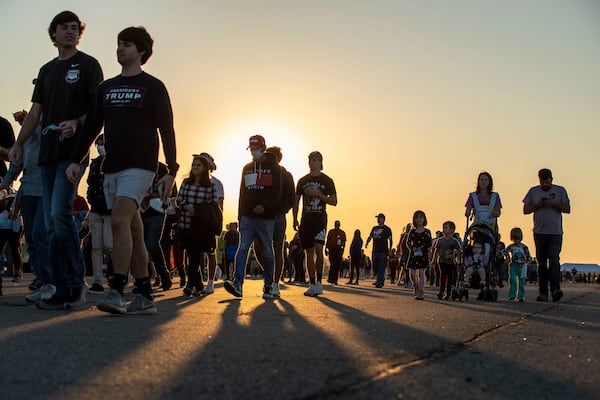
{"x": 381, "y": 234}
{"x": 316, "y": 190}
{"x": 133, "y": 107}
{"x": 63, "y": 92}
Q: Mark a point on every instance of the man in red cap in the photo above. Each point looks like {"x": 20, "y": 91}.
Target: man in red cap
{"x": 258, "y": 205}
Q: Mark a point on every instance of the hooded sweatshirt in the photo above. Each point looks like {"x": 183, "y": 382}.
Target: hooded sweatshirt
{"x": 261, "y": 183}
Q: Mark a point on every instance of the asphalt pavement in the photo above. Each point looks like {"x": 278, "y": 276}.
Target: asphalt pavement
{"x": 353, "y": 342}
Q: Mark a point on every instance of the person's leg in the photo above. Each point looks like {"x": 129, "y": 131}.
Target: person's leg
{"x": 379, "y": 261}
{"x": 247, "y": 233}
{"x": 36, "y": 238}
{"x": 443, "y": 279}
{"x": 543, "y": 255}
{"x": 521, "y": 281}
{"x": 14, "y": 243}
{"x": 264, "y": 234}
{"x": 66, "y": 234}
{"x": 319, "y": 260}
{"x": 310, "y": 265}
{"x": 421, "y": 283}
{"x": 56, "y": 263}
{"x": 153, "y": 228}
{"x": 554, "y": 248}
{"x": 96, "y": 224}
{"x": 512, "y": 290}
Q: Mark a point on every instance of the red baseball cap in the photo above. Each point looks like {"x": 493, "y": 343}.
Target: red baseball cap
{"x": 256, "y": 142}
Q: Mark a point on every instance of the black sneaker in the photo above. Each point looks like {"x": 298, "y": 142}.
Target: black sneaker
{"x": 440, "y": 295}
{"x": 557, "y": 295}
{"x": 76, "y": 299}
{"x": 56, "y": 302}
{"x": 541, "y": 297}
{"x": 233, "y": 287}
{"x": 96, "y": 288}
{"x": 166, "y": 283}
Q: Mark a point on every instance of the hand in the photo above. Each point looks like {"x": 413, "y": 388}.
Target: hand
{"x": 166, "y": 182}
{"x": 14, "y": 154}
{"x": 72, "y": 172}
{"x": 258, "y": 209}
{"x": 68, "y": 128}
{"x": 312, "y": 192}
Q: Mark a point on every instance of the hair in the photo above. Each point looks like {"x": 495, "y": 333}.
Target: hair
{"x": 204, "y": 178}
{"x": 316, "y": 154}
{"x": 276, "y": 151}
{"x": 450, "y": 224}
{"x": 357, "y": 233}
{"x": 516, "y": 234}
{"x": 140, "y": 38}
{"x": 63, "y": 18}
{"x": 416, "y": 214}
{"x": 544, "y": 174}
{"x": 490, "y": 187}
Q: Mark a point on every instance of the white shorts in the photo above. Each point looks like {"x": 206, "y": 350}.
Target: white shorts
{"x": 132, "y": 183}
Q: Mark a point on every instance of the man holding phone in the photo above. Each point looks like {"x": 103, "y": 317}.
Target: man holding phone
{"x": 547, "y": 202}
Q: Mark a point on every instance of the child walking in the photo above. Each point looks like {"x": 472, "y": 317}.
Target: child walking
{"x": 519, "y": 256}
{"x": 444, "y": 255}
{"x": 418, "y": 242}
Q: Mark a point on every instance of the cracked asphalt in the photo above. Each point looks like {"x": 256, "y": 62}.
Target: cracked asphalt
{"x": 354, "y": 342}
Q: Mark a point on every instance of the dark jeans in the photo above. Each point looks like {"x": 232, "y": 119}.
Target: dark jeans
{"x": 547, "y": 251}
{"x": 335, "y": 259}
{"x": 58, "y": 194}
{"x": 153, "y": 229}
{"x": 36, "y": 237}
{"x": 355, "y": 266}
{"x": 446, "y": 277}
{"x": 379, "y": 265}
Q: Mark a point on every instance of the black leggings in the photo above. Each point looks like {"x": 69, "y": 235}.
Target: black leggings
{"x": 446, "y": 277}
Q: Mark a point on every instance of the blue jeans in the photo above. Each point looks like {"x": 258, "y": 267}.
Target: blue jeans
{"x": 261, "y": 230}
{"x": 36, "y": 237}
{"x": 379, "y": 264}
{"x": 153, "y": 229}
{"x": 58, "y": 194}
{"x": 547, "y": 251}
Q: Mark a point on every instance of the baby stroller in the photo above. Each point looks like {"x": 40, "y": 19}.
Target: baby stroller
{"x": 478, "y": 236}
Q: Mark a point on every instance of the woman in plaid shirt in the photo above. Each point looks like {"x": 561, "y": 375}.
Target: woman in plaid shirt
{"x": 196, "y": 189}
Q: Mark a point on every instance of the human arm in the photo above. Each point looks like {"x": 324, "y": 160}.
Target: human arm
{"x": 295, "y": 211}
{"x": 27, "y": 129}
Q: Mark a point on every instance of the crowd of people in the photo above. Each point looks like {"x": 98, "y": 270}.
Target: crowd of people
{"x": 138, "y": 218}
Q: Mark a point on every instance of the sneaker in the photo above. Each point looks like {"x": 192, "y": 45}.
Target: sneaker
{"x": 557, "y": 295}
{"x": 521, "y": 300}
{"x": 511, "y": 298}
{"x": 318, "y": 288}
{"x": 446, "y": 297}
{"x": 113, "y": 303}
{"x": 17, "y": 278}
{"x": 541, "y": 297}
{"x": 43, "y": 293}
{"x": 56, "y": 302}
{"x": 310, "y": 291}
{"x": 267, "y": 292}
{"x": 210, "y": 288}
{"x": 77, "y": 298}
{"x": 275, "y": 290}
{"x": 141, "y": 305}
{"x": 233, "y": 287}
{"x": 189, "y": 290}
{"x": 96, "y": 288}
{"x": 166, "y": 283}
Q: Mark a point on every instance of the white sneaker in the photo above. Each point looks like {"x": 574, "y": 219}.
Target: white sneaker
{"x": 310, "y": 291}
{"x": 318, "y": 288}
{"x": 275, "y": 290}
{"x": 43, "y": 293}
{"x": 209, "y": 288}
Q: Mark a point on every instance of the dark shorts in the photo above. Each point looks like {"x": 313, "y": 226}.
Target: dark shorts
{"x": 312, "y": 231}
